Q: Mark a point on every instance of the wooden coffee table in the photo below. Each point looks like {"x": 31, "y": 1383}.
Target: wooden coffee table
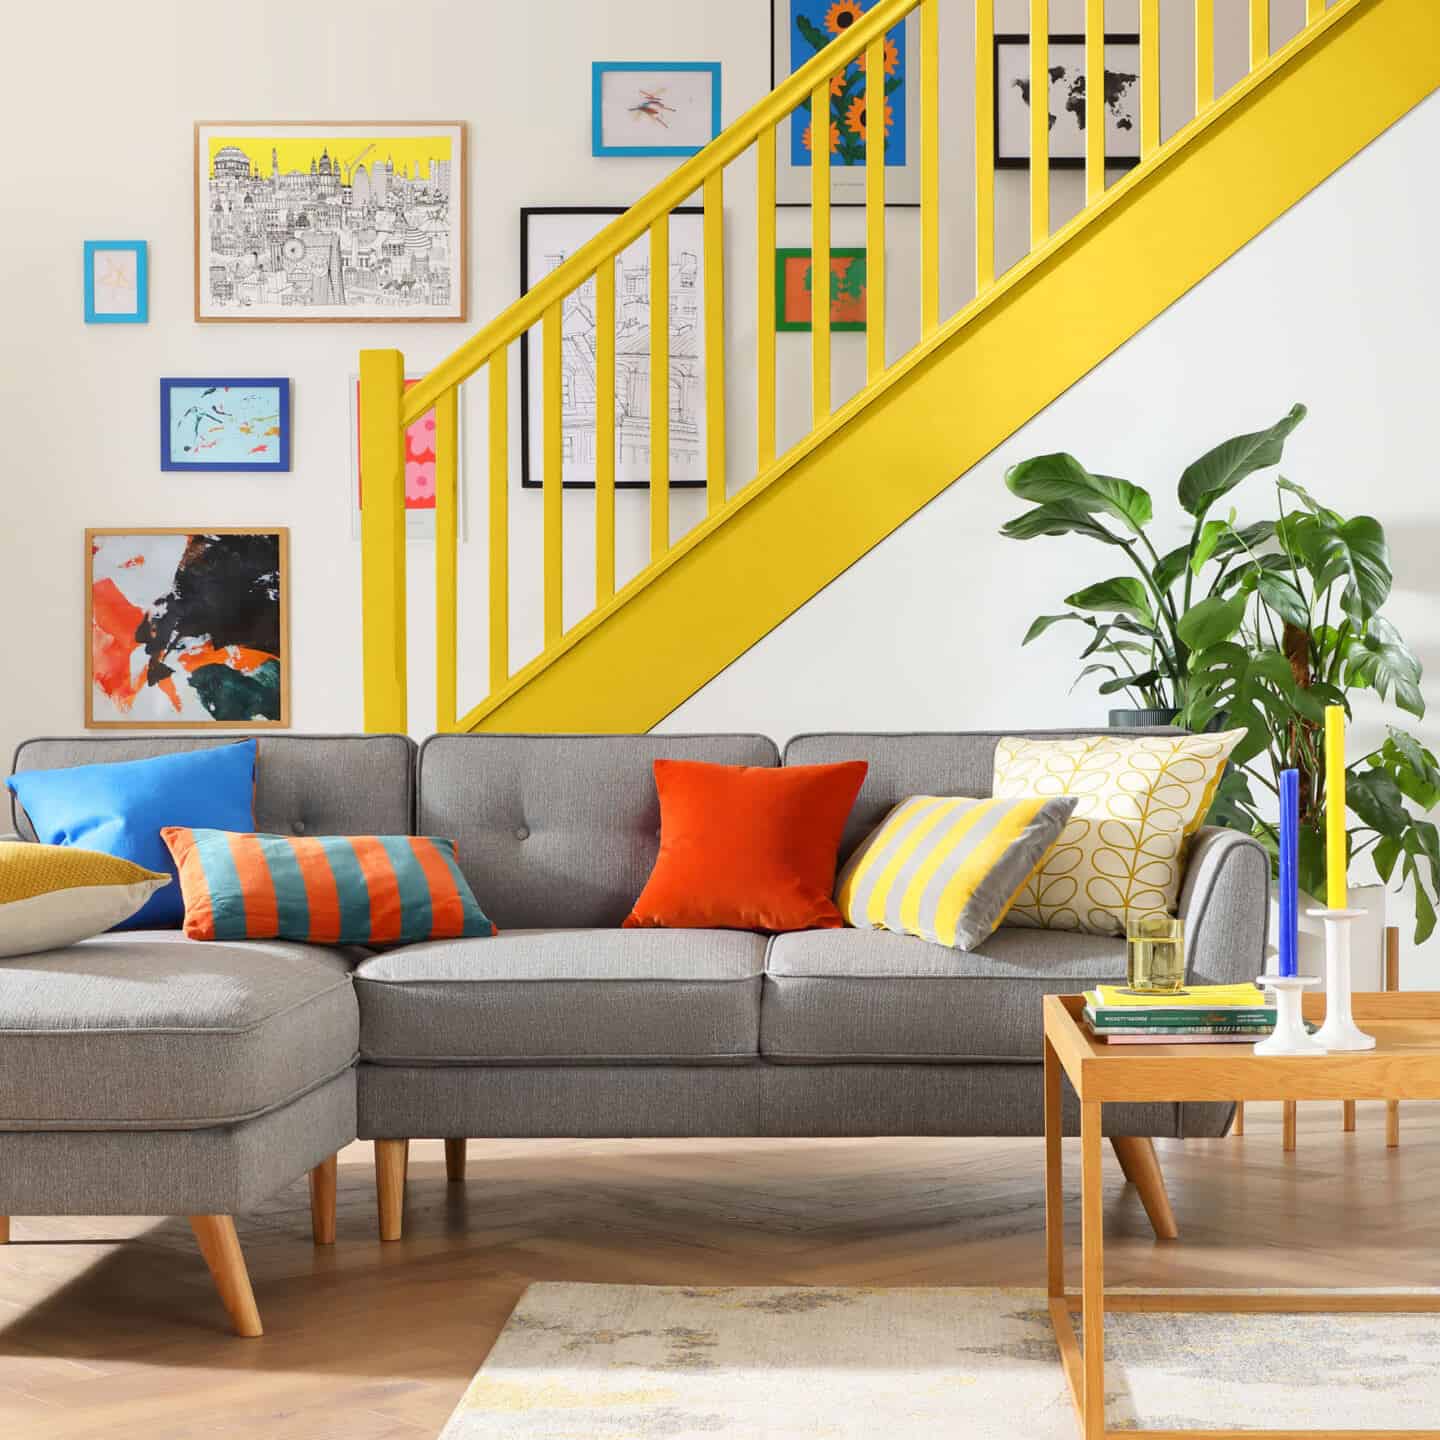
{"x": 1405, "y": 1065}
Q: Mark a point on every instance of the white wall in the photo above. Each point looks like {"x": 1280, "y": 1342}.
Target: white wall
{"x": 1335, "y": 305}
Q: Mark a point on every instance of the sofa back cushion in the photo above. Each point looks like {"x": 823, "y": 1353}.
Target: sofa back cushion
{"x": 559, "y": 830}
{"x": 304, "y": 784}
{"x": 949, "y": 762}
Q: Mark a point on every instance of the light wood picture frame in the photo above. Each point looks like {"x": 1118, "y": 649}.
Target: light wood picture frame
{"x": 187, "y": 628}
{"x": 330, "y": 221}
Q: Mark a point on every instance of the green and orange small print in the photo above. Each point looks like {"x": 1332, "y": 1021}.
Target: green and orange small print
{"x": 328, "y": 890}
{"x": 794, "y": 286}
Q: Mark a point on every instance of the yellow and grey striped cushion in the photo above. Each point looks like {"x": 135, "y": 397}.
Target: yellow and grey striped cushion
{"x": 946, "y": 868}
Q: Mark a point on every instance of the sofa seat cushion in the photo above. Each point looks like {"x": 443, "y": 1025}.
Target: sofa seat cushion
{"x": 871, "y": 996}
{"x": 146, "y": 1030}
{"x": 572, "y": 996}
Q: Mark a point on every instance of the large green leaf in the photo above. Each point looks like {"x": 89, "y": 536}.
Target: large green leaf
{"x": 1220, "y": 470}
{"x": 1356, "y": 552}
{"x": 1058, "y": 517}
{"x": 1381, "y": 661}
{"x": 1210, "y": 621}
{"x": 1377, "y": 800}
{"x": 1124, "y": 595}
{"x": 1279, "y": 593}
{"x": 1041, "y": 623}
{"x": 1062, "y": 479}
{"x": 1170, "y": 567}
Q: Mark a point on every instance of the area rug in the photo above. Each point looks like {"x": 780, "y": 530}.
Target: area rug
{"x": 631, "y": 1361}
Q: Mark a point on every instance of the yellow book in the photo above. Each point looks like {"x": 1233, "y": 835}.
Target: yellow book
{"x": 1197, "y": 997}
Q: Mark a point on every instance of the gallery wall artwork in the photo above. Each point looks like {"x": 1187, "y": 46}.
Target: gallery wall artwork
{"x": 186, "y": 628}
{"x": 330, "y": 222}
{"x": 547, "y": 238}
{"x": 1066, "y": 56}
{"x": 800, "y": 29}
{"x": 117, "y": 282}
{"x": 643, "y": 108}
{"x": 224, "y": 424}
{"x": 795, "y": 284}
{"x": 419, "y": 468}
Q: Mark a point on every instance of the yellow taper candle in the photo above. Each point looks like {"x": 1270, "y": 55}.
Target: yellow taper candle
{"x": 1336, "y": 896}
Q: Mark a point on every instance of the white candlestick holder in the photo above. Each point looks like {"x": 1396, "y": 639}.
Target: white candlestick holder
{"x": 1290, "y": 1036}
{"x": 1339, "y": 1032}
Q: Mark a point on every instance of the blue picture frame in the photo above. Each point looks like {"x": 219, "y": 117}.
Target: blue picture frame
{"x": 141, "y": 314}
{"x": 601, "y": 68}
{"x": 242, "y": 431}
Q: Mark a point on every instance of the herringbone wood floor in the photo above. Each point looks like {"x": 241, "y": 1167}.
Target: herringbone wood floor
{"x": 111, "y": 1327}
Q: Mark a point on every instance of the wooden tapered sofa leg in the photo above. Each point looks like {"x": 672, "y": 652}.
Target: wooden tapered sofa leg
{"x": 322, "y": 1201}
{"x": 1136, "y": 1154}
{"x": 220, "y": 1246}
{"x": 392, "y": 1159}
{"x": 455, "y": 1161}
{"x": 4, "y": 1229}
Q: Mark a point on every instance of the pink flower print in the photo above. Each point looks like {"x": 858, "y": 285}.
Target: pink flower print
{"x": 420, "y": 485}
{"x": 420, "y": 438}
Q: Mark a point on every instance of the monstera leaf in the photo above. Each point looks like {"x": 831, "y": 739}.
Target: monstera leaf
{"x": 1062, "y": 479}
{"x": 1381, "y": 661}
{"x": 1219, "y": 471}
{"x": 1354, "y": 551}
{"x": 1212, "y": 620}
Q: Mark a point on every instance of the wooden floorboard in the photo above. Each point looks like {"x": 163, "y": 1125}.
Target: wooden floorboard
{"x": 112, "y": 1327}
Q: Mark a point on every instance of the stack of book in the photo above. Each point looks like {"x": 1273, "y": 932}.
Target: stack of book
{"x": 1197, "y": 1015}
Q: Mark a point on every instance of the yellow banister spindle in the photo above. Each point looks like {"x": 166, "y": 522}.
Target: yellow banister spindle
{"x": 765, "y": 320}
{"x": 660, "y": 387}
{"x": 1314, "y": 9}
{"x": 447, "y": 544}
{"x": 382, "y": 539}
{"x": 1204, "y": 54}
{"x": 875, "y": 209}
{"x": 605, "y": 432}
{"x": 1149, "y": 78}
{"x": 499, "y": 369}
{"x": 984, "y": 145}
{"x": 820, "y": 252}
{"x": 714, "y": 341}
{"x": 1039, "y": 123}
{"x": 1094, "y": 100}
{"x": 1259, "y": 33}
{"x": 553, "y": 427}
{"x": 929, "y": 166}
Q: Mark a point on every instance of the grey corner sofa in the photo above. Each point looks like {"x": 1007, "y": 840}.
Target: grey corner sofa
{"x": 142, "y": 1073}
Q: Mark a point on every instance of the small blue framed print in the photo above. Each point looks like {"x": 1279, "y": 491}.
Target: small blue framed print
{"x": 117, "y": 282}
{"x": 643, "y": 107}
{"x": 225, "y": 425}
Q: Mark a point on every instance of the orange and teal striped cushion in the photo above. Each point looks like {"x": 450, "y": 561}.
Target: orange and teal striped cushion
{"x": 330, "y": 890}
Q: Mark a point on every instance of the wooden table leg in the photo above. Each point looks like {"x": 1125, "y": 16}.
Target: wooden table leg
{"x": 1136, "y": 1154}
{"x": 1288, "y": 1143}
{"x": 4, "y": 1229}
{"x": 1054, "y": 1194}
{"x": 1392, "y": 1123}
{"x": 1348, "y": 1115}
{"x": 1092, "y": 1283}
{"x": 1238, "y": 1128}
{"x": 220, "y": 1246}
{"x": 322, "y": 1202}
{"x": 455, "y": 1161}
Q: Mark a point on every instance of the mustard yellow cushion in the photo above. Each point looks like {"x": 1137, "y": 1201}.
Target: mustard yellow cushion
{"x": 1138, "y": 798}
{"x": 54, "y": 895}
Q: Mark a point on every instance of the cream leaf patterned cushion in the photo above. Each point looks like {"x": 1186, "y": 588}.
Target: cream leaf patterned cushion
{"x": 54, "y": 895}
{"x": 1122, "y": 854}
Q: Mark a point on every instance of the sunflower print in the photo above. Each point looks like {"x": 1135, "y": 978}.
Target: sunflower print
{"x": 842, "y": 15}
{"x": 892, "y": 57}
{"x": 808, "y": 138}
{"x": 855, "y": 117}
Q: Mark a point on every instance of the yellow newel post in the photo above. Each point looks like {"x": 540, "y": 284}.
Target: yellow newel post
{"x": 382, "y": 539}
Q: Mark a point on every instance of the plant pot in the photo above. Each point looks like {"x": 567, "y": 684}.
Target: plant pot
{"x": 1141, "y": 719}
{"x": 1367, "y": 937}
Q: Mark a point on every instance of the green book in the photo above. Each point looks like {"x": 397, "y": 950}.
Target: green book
{"x": 1101, "y": 1009}
{"x": 1185, "y": 1019}
{"x": 1257, "y": 1028}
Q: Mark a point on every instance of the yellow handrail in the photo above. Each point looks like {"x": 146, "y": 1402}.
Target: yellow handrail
{"x": 625, "y": 229}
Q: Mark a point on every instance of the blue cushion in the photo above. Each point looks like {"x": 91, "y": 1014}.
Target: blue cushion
{"x": 120, "y": 809}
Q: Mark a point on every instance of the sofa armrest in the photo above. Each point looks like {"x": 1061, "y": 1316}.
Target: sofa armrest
{"x": 1225, "y": 904}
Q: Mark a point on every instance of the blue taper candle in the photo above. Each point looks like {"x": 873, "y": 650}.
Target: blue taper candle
{"x": 1289, "y": 871}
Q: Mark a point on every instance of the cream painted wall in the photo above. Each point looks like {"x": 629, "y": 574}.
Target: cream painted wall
{"x": 1336, "y": 305}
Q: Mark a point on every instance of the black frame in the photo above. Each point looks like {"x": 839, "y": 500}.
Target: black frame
{"x": 526, "y": 483}
{"x": 775, "y": 79}
{"x": 1064, "y": 162}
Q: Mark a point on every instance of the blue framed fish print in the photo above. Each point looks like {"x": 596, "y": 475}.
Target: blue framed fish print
{"x": 654, "y": 107}
{"x": 224, "y": 425}
{"x": 117, "y": 282}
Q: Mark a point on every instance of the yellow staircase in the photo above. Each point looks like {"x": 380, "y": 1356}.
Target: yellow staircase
{"x": 920, "y": 421}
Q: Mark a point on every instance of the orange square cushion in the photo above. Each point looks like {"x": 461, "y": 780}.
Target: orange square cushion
{"x": 746, "y": 848}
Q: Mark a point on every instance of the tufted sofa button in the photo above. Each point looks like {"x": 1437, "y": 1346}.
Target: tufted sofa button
{"x": 522, "y": 833}
{"x": 297, "y": 827}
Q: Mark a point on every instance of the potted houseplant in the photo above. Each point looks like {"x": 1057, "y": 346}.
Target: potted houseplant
{"x": 1256, "y": 626}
